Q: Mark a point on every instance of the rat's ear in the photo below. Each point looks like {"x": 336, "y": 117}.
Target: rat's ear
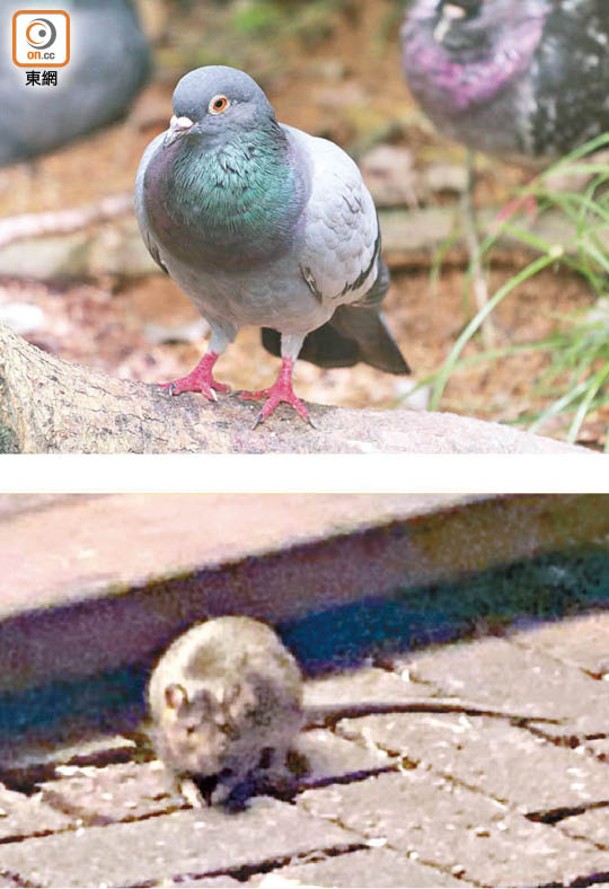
{"x": 175, "y": 696}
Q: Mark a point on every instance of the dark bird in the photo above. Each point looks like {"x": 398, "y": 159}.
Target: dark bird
{"x": 110, "y": 63}
{"x": 526, "y": 80}
{"x": 261, "y": 224}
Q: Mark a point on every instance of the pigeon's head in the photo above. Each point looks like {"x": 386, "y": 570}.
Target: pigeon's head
{"x": 214, "y": 101}
{"x": 462, "y": 25}
{"x": 467, "y": 23}
{"x": 462, "y": 52}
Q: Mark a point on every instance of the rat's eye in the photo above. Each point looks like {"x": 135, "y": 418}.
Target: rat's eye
{"x": 218, "y": 104}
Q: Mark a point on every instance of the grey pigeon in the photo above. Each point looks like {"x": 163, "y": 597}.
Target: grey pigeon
{"x": 262, "y": 224}
{"x": 526, "y": 80}
{"x": 110, "y": 63}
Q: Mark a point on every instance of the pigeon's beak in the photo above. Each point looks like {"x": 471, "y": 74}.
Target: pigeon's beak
{"x": 177, "y": 127}
{"x": 450, "y": 14}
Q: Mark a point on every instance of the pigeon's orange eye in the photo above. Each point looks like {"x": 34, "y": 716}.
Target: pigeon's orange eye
{"x": 218, "y": 104}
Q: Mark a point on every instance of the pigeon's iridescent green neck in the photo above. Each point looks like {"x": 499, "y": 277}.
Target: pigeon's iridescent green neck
{"x": 238, "y": 200}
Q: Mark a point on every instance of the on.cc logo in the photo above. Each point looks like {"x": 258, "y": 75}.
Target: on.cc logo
{"x": 41, "y": 33}
{"x": 41, "y": 38}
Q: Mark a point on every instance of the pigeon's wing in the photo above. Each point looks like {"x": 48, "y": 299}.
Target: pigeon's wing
{"x": 340, "y": 260}
{"x": 570, "y": 72}
{"x": 340, "y": 241}
{"x": 140, "y": 205}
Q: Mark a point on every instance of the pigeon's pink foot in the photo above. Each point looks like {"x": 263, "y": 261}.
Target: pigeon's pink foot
{"x": 201, "y": 379}
{"x": 281, "y": 391}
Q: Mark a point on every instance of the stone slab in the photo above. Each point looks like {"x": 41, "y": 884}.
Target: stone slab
{"x": 370, "y": 867}
{"x": 523, "y": 680}
{"x": 24, "y": 816}
{"x": 14, "y": 504}
{"x": 131, "y": 571}
{"x": 410, "y": 237}
{"x": 501, "y": 761}
{"x": 592, "y": 824}
{"x": 133, "y": 791}
{"x": 331, "y": 757}
{"x": 580, "y": 642}
{"x": 447, "y": 826}
{"x": 186, "y": 844}
{"x": 365, "y": 685}
{"x": 94, "y": 545}
{"x": 599, "y": 747}
{"x": 121, "y": 792}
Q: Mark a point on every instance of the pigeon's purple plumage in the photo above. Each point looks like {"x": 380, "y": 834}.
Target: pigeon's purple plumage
{"x": 526, "y": 80}
{"x": 261, "y": 224}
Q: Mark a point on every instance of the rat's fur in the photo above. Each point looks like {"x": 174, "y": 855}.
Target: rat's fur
{"x": 226, "y": 703}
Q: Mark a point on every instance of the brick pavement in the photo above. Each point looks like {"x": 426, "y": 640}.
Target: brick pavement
{"x": 410, "y": 799}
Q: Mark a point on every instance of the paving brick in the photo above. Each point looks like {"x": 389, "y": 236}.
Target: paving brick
{"x": 132, "y": 791}
{"x": 24, "y": 816}
{"x": 370, "y": 867}
{"x": 329, "y": 756}
{"x": 187, "y": 844}
{"x": 367, "y": 685}
{"x": 121, "y": 792}
{"x": 500, "y": 673}
{"x": 452, "y": 828}
{"x": 580, "y": 641}
{"x": 599, "y": 747}
{"x": 503, "y": 761}
{"x": 593, "y": 825}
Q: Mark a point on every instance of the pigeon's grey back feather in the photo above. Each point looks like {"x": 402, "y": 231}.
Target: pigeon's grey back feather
{"x": 339, "y": 240}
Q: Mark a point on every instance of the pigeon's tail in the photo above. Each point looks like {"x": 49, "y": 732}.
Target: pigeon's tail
{"x": 355, "y": 333}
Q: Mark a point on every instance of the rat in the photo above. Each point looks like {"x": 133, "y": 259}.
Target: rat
{"x": 226, "y": 706}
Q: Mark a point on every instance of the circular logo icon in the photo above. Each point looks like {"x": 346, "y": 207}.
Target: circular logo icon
{"x": 40, "y": 33}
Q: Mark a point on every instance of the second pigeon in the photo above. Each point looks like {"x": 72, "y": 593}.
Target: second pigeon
{"x": 525, "y": 80}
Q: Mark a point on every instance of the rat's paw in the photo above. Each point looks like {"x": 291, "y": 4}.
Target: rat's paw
{"x": 192, "y": 794}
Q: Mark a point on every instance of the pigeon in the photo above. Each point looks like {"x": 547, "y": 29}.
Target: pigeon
{"x": 110, "y": 63}
{"x": 261, "y": 224}
{"x": 524, "y": 80}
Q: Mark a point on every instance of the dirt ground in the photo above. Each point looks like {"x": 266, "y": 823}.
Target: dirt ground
{"x": 348, "y": 87}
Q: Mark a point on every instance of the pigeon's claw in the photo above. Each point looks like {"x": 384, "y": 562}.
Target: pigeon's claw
{"x": 281, "y": 391}
{"x": 201, "y": 380}
{"x": 276, "y": 399}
